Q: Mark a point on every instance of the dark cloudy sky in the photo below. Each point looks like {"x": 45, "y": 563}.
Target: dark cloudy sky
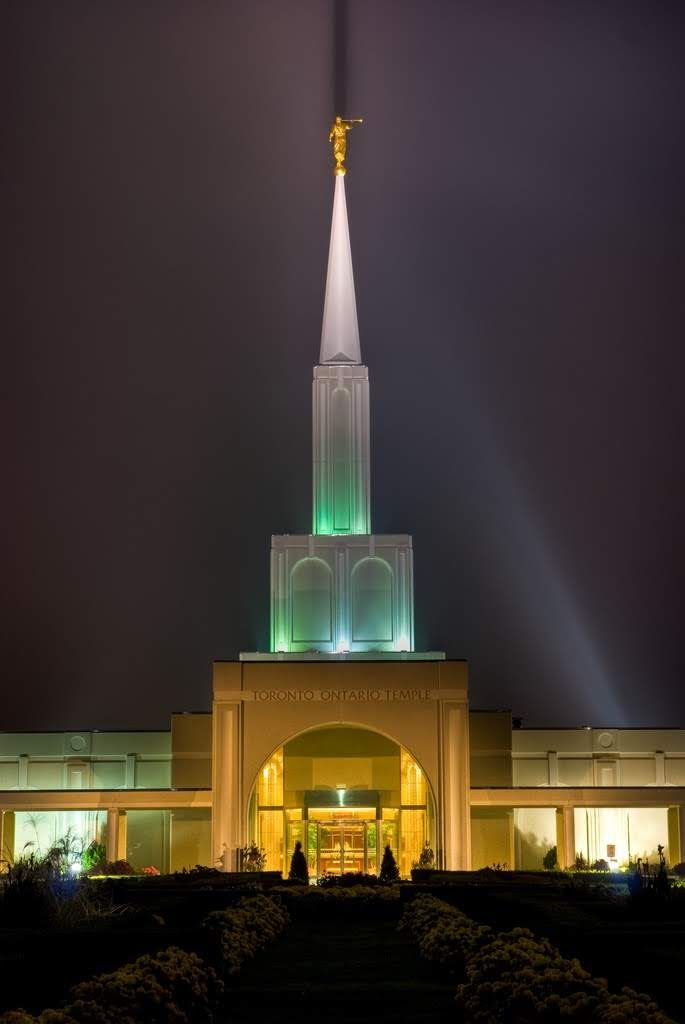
{"x": 516, "y": 200}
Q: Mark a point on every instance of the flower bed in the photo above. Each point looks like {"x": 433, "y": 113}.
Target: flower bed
{"x": 515, "y": 975}
{"x": 234, "y": 936}
{"x": 175, "y": 986}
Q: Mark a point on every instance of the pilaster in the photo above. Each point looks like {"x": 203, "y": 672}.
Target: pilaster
{"x": 226, "y": 815}
{"x": 340, "y": 450}
{"x": 455, "y": 807}
{"x": 566, "y": 836}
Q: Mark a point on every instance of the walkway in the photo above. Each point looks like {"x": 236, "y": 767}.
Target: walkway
{"x": 340, "y": 969}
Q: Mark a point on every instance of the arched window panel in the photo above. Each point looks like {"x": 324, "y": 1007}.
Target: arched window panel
{"x": 372, "y": 613}
{"x": 412, "y": 781}
{"x": 312, "y": 603}
{"x": 270, "y": 781}
{"x": 341, "y": 427}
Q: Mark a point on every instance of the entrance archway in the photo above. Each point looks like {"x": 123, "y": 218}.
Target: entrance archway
{"x": 345, "y": 792}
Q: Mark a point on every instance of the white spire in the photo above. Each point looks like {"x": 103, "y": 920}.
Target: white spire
{"x": 340, "y": 332}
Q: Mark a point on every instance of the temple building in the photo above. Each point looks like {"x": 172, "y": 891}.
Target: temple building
{"x": 342, "y": 735}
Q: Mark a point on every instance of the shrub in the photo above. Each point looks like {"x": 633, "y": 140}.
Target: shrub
{"x": 514, "y": 976}
{"x": 443, "y": 933}
{"x": 29, "y": 896}
{"x": 679, "y": 869}
{"x": 199, "y": 872}
{"x": 389, "y": 871}
{"x": 654, "y": 887}
{"x": 174, "y": 986}
{"x": 93, "y": 855}
{"x": 519, "y": 977}
{"x": 347, "y": 879}
{"x": 252, "y": 857}
{"x": 550, "y": 861}
{"x": 352, "y": 897}
{"x": 112, "y": 867}
{"x": 298, "y": 865}
{"x": 235, "y": 935}
{"x": 600, "y": 865}
{"x": 426, "y": 859}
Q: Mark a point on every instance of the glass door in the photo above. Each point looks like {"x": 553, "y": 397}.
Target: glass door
{"x": 353, "y": 846}
{"x": 329, "y": 849}
{"x": 341, "y": 840}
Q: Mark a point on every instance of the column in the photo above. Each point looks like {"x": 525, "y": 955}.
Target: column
{"x": 456, "y": 810}
{"x": 566, "y": 837}
{"x": 122, "y": 845}
{"x": 7, "y": 839}
{"x": 112, "y": 846}
{"x": 226, "y": 796}
{"x": 676, "y": 835}
{"x": 675, "y": 853}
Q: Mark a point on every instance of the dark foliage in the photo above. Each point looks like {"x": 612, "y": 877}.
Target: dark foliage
{"x": 389, "y": 871}
{"x": 344, "y": 881}
{"x": 298, "y": 865}
{"x": 550, "y": 860}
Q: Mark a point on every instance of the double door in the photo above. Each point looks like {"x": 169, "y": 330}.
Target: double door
{"x": 343, "y": 846}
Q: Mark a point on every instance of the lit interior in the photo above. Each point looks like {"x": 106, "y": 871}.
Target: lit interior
{"x": 344, "y": 793}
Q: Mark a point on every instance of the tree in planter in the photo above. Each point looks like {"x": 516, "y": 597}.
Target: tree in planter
{"x": 550, "y": 861}
{"x": 298, "y": 865}
{"x": 426, "y": 858}
{"x": 389, "y": 870}
{"x": 252, "y": 857}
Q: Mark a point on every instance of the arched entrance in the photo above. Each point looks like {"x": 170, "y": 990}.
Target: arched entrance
{"x": 345, "y": 792}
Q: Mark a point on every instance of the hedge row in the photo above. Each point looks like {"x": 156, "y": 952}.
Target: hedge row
{"x": 235, "y": 935}
{"x": 330, "y": 895}
{"x": 174, "y": 986}
{"x": 515, "y": 976}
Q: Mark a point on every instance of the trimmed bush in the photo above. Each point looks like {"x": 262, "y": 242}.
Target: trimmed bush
{"x": 298, "y": 865}
{"x": 296, "y": 896}
{"x": 515, "y": 976}
{"x": 173, "y": 987}
{"x": 443, "y": 933}
{"x": 234, "y": 936}
{"x": 347, "y": 879}
{"x": 550, "y": 861}
{"x": 389, "y": 871}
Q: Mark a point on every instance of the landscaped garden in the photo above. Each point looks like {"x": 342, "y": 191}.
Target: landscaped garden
{"x": 490, "y": 946}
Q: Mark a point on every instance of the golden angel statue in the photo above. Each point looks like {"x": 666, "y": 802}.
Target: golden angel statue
{"x": 338, "y": 136}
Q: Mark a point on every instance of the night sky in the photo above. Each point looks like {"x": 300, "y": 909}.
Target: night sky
{"x": 517, "y": 212}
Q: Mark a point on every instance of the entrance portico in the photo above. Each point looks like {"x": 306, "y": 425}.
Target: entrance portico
{"x": 413, "y": 706}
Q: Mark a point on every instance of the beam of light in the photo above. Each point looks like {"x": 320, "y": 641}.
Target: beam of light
{"x": 548, "y": 611}
{"x": 340, "y": 35}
